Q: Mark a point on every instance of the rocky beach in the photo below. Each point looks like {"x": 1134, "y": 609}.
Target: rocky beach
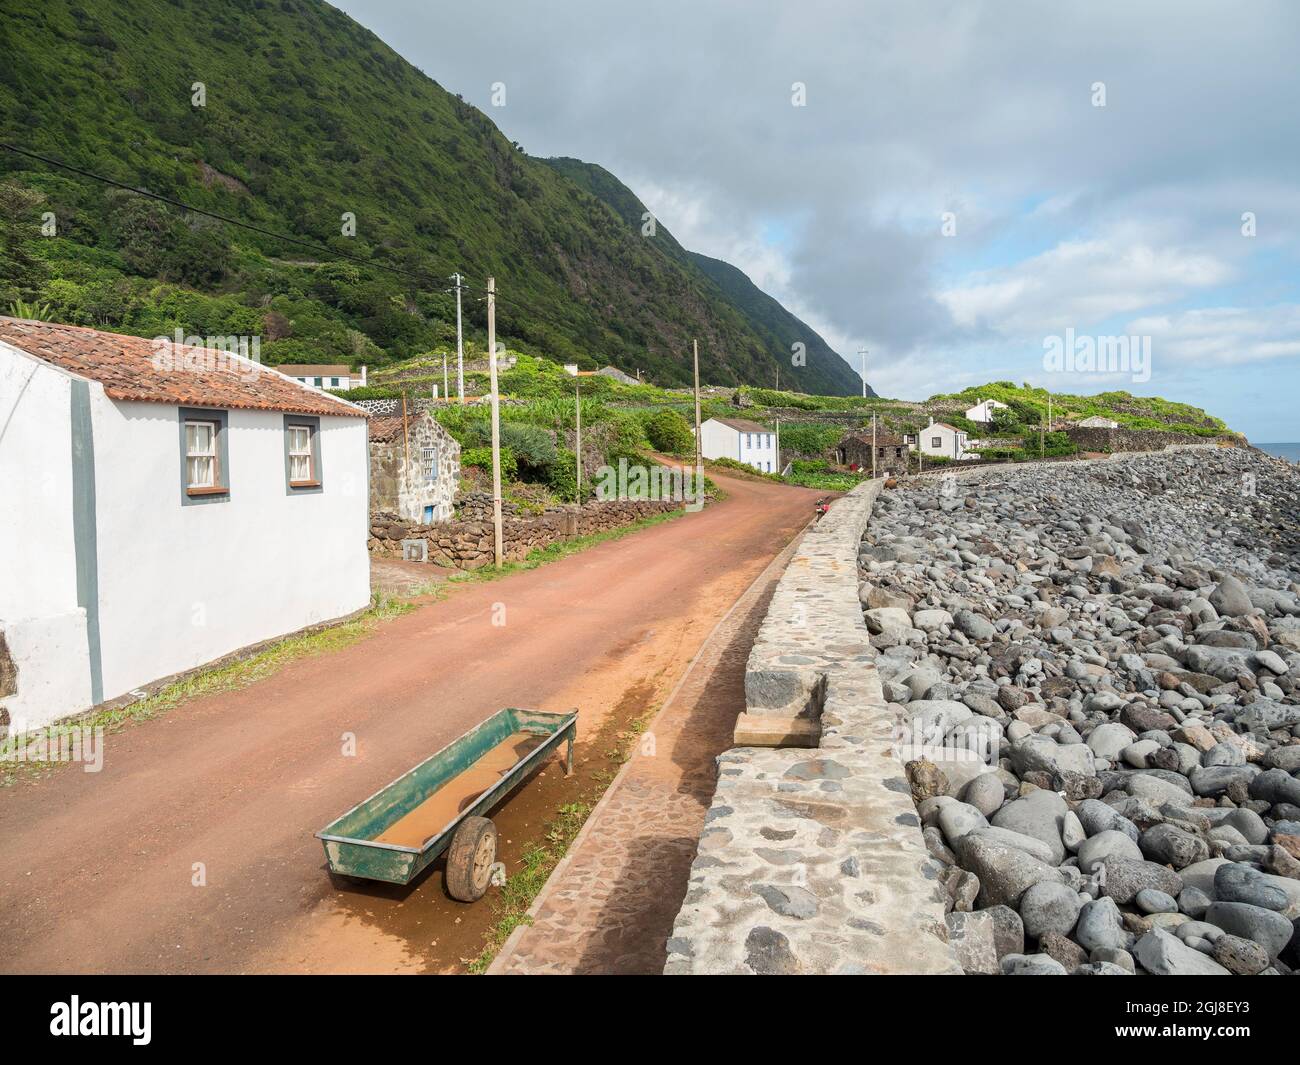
{"x": 1095, "y": 667}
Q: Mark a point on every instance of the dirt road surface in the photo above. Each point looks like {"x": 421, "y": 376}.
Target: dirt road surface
{"x": 192, "y": 850}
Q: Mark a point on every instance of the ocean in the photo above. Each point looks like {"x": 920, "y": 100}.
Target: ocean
{"x": 1290, "y": 452}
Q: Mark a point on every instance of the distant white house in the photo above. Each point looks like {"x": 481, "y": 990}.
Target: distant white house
{"x": 744, "y": 441}
{"x": 982, "y": 412}
{"x": 164, "y": 506}
{"x": 942, "y": 439}
{"x": 1097, "y": 422}
{"x": 612, "y": 372}
{"x": 337, "y": 377}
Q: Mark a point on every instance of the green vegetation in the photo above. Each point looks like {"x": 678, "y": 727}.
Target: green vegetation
{"x": 1028, "y": 408}
{"x": 669, "y": 432}
{"x": 309, "y": 124}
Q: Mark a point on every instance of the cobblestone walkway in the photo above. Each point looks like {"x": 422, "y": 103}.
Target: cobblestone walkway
{"x": 609, "y": 906}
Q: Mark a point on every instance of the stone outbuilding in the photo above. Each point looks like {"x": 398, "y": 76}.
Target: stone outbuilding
{"x": 854, "y": 450}
{"x": 414, "y": 463}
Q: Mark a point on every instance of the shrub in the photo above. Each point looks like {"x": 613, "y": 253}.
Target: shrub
{"x": 667, "y": 431}
{"x": 482, "y": 458}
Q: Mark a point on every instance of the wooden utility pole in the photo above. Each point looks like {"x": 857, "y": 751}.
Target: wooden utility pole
{"x": 779, "y": 468}
{"x": 496, "y": 415}
{"x": 460, "y": 346}
{"x": 699, "y": 449}
{"x": 577, "y": 421}
{"x": 873, "y": 445}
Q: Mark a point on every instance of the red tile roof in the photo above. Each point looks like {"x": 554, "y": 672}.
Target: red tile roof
{"x": 386, "y": 427}
{"x": 135, "y": 368}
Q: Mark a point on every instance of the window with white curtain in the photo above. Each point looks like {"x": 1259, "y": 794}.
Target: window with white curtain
{"x": 200, "y": 454}
{"x": 300, "y": 457}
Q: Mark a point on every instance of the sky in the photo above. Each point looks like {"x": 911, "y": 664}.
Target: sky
{"x": 962, "y": 188}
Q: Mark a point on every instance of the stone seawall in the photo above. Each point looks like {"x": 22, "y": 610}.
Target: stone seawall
{"x": 812, "y": 860}
{"x": 469, "y": 544}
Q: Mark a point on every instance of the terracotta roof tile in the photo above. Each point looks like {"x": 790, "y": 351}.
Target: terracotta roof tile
{"x": 385, "y": 427}
{"x": 135, "y": 368}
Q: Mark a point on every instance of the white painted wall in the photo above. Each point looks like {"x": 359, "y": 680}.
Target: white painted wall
{"x": 952, "y": 442}
{"x": 983, "y": 410}
{"x": 182, "y": 585}
{"x": 44, "y": 628}
{"x": 721, "y": 441}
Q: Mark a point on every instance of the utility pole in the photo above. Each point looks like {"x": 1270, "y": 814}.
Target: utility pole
{"x": 496, "y": 414}
{"x": 577, "y": 416}
{"x": 445, "y": 393}
{"x": 778, "y": 378}
{"x": 873, "y": 445}
{"x": 460, "y": 346}
{"x": 1042, "y": 425}
{"x": 779, "y": 468}
{"x": 699, "y": 455}
{"x": 863, "y": 353}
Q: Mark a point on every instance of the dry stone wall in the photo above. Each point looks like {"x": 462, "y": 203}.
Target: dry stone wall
{"x": 470, "y": 544}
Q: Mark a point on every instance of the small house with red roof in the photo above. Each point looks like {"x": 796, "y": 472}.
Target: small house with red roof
{"x": 165, "y": 505}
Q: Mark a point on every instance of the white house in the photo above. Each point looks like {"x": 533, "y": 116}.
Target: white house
{"x": 744, "y": 441}
{"x": 335, "y": 376}
{"x": 982, "y": 412}
{"x": 940, "y": 438}
{"x": 164, "y": 506}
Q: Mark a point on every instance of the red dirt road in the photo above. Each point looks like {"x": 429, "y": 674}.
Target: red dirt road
{"x": 98, "y": 871}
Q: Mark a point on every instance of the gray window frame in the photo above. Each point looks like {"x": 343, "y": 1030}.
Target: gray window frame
{"x": 221, "y": 493}
{"x": 317, "y": 484}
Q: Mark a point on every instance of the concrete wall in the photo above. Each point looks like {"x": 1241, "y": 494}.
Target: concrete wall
{"x": 812, "y": 860}
{"x": 183, "y": 585}
{"x": 43, "y": 624}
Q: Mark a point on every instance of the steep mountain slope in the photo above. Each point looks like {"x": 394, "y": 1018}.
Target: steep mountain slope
{"x": 778, "y": 328}
{"x": 289, "y": 115}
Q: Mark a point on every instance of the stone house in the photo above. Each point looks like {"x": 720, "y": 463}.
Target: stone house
{"x": 854, "y": 449}
{"x": 414, "y": 463}
{"x": 1097, "y": 421}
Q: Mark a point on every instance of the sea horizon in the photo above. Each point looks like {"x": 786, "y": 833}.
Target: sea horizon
{"x": 1288, "y": 451}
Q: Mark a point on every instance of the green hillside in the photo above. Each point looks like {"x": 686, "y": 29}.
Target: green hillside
{"x": 308, "y": 116}
{"x": 778, "y": 328}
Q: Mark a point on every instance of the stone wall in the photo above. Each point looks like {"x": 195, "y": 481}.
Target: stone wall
{"x": 812, "y": 860}
{"x": 1121, "y": 439}
{"x": 400, "y": 483}
{"x": 470, "y": 544}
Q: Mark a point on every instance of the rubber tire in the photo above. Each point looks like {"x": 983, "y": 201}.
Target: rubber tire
{"x": 470, "y": 857}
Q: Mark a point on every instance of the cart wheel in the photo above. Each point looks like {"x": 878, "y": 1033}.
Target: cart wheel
{"x": 470, "y": 857}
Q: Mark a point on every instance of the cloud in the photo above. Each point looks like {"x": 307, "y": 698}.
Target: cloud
{"x": 1078, "y": 283}
{"x": 1223, "y": 335}
{"x": 1068, "y": 214}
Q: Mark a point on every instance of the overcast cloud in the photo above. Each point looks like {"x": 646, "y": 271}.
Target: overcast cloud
{"x": 1125, "y": 218}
